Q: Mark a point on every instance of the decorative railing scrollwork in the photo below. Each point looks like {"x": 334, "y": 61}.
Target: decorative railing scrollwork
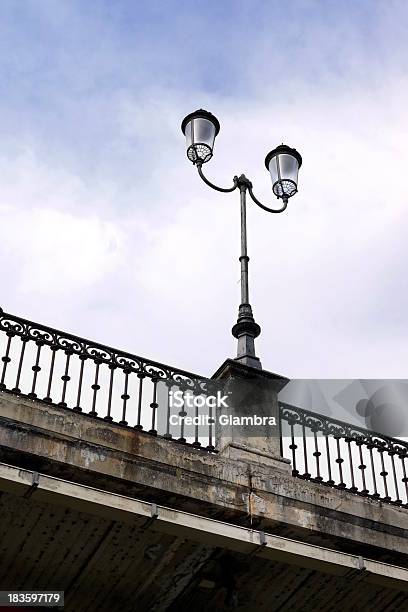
{"x": 75, "y": 373}
{"x": 345, "y": 456}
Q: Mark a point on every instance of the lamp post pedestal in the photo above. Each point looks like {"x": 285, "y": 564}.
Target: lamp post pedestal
{"x": 250, "y": 425}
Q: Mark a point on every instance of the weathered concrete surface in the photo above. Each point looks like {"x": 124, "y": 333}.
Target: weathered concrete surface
{"x": 238, "y": 485}
{"x": 107, "y": 565}
{"x": 251, "y": 391}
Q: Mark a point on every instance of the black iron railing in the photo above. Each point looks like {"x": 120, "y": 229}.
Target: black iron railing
{"x": 58, "y": 368}
{"x": 341, "y": 455}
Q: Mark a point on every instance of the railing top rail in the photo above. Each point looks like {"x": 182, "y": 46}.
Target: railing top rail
{"x": 347, "y": 430}
{"x": 38, "y": 332}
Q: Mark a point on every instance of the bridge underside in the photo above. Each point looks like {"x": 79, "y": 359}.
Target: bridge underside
{"x": 109, "y": 552}
{"x": 121, "y": 520}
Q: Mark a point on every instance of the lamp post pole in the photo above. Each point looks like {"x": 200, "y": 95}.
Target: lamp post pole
{"x": 245, "y": 329}
{"x": 283, "y": 163}
{"x": 244, "y": 259}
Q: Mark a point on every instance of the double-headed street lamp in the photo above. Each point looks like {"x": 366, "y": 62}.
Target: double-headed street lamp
{"x": 200, "y": 129}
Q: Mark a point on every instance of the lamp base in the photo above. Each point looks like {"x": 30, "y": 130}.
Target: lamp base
{"x": 246, "y": 330}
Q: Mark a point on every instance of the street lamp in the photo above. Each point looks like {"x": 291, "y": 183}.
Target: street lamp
{"x": 200, "y": 129}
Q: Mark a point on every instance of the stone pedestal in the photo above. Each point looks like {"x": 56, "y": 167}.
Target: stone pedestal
{"x": 253, "y": 398}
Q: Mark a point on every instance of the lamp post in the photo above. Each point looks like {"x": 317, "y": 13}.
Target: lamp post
{"x": 200, "y": 129}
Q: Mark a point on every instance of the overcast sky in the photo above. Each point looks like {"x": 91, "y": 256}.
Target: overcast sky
{"x": 107, "y": 232}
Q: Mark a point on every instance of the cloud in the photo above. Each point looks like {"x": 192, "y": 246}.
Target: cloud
{"x": 107, "y": 231}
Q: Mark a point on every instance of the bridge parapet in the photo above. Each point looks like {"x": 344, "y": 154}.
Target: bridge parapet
{"x": 248, "y": 482}
{"x": 245, "y": 488}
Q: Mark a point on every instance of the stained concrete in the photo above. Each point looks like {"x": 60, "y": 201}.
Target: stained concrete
{"x": 237, "y": 485}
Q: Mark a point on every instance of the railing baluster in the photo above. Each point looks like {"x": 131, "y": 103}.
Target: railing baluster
{"x": 139, "y": 425}
{"x": 48, "y": 398}
{"x": 196, "y": 442}
{"x": 78, "y": 408}
{"x": 211, "y": 422}
{"x": 65, "y": 378}
{"x": 95, "y": 387}
{"x": 362, "y": 467}
{"x": 398, "y": 500}
{"x": 112, "y": 368}
{"x": 339, "y": 461}
{"x": 6, "y": 360}
{"x": 125, "y": 397}
{"x": 384, "y": 474}
{"x": 182, "y": 414}
{"x": 353, "y": 487}
{"x": 370, "y": 448}
{"x": 317, "y": 454}
{"x": 24, "y": 341}
{"x": 306, "y": 474}
{"x": 154, "y": 406}
{"x": 293, "y": 448}
{"x": 330, "y": 481}
{"x": 169, "y": 385}
{"x": 36, "y": 368}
